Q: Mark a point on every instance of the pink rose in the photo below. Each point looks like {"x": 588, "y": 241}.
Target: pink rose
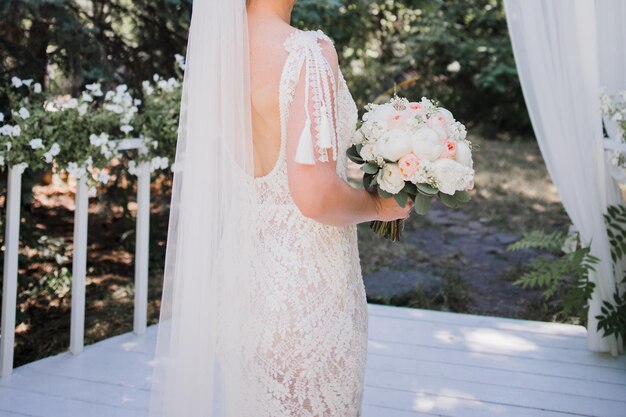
{"x": 408, "y": 165}
{"x": 449, "y": 149}
{"x": 415, "y": 106}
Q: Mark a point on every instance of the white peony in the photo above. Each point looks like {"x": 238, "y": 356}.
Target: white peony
{"x": 373, "y": 129}
{"x": 368, "y": 152}
{"x": 464, "y": 154}
{"x": 394, "y": 145}
{"x": 390, "y": 178}
{"x": 36, "y": 143}
{"x": 379, "y": 113}
{"x": 450, "y": 176}
{"x": 426, "y": 144}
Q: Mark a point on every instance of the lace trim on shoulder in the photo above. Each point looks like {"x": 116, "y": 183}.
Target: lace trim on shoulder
{"x": 304, "y": 49}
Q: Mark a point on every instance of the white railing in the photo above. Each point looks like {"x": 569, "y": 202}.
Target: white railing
{"x": 79, "y": 258}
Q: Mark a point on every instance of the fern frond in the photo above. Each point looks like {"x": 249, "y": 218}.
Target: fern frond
{"x": 538, "y": 239}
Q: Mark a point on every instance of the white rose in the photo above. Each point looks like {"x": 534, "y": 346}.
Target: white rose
{"x": 17, "y": 83}
{"x": 24, "y": 113}
{"x": 450, "y": 176}
{"x": 368, "y": 152}
{"x": 36, "y": 143}
{"x": 464, "y": 154}
{"x": 426, "y": 144}
{"x": 372, "y": 129}
{"x": 17, "y": 130}
{"x": 390, "y": 179}
{"x": 394, "y": 145}
{"x": 37, "y": 88}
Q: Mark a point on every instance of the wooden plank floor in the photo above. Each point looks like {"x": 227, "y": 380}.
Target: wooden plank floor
{"x": 420, "y": 363}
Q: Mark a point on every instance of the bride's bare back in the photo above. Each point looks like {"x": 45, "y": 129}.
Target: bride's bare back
{"x": 267, "y": 57}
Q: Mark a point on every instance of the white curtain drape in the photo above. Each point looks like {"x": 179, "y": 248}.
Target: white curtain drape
{"x": 559, "y": 63}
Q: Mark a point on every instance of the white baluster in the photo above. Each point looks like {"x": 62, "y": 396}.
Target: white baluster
{"x": 79, "y": 267}
{"x": 9, "y": 285}
{"x": 142, "y": 245}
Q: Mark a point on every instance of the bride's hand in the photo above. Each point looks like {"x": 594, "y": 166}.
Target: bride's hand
{"x": 388, "y": 209}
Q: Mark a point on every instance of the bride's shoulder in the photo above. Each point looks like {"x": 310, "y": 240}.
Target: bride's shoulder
{"x": 299, "y": 40}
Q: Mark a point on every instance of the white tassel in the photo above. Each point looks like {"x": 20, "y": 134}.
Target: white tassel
{"x": 325, "y": 140}
{"x": 305, "y": 154}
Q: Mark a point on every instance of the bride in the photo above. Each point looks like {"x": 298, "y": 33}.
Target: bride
{"x": 263, "y": 311}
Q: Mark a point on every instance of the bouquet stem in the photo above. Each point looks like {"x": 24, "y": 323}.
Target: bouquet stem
{"x": 388, "y": 230}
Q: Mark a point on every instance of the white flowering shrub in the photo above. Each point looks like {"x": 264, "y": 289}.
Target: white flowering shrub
{"x": 80, "y": 134}
{"x": 614, "y": 110}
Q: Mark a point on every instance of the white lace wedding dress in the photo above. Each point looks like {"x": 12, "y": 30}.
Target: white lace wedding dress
{"x": 309, "y": 326}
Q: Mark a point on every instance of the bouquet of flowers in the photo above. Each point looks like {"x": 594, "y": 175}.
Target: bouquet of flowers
{"x": 413, "y": 150}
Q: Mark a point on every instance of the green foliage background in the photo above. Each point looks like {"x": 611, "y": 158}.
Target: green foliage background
{"x": 65, "y": 44}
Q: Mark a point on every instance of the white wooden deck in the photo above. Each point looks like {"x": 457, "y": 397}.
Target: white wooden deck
{"x": 420, "y": 363}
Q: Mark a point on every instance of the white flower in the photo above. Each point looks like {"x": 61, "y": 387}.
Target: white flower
{"x": 159, "y": 163}
{"x": 104, "y": 177}
{"x": 464, "y": 154}
{"x": 156, "y": 77}
{"x": 36, "y": 143}
{"x": 17, "y": 130}
{"x": 99, "y": 140}
{"x": 17, "y": 83}
{"x": 27, "y": 83}
{"x": 394, "y": 145}
{"x": 1, "y": 160}
{"x": 426, "y": 144}
{"x": 180, "y": 60}
{"x": 52, "y": 152}
{"x": 95, "y": 88}
{"x": 122, "y": 88}
{"x": 453, "y": 67}
{"x": 91, "y": 192}
{"x": 450, "y": 176}
{"x": 132, "y": 168}
{"x": 368, "y": 152}
{"x": 87, "y": 97}
{"x": 82, "y": 109}
{"x": 24, "y": 113}
{"x": 75, "y": 170}
{"x": 390, "y": 179}
{"x": 1, "y": 117}
{"x": 147, "y": 88}
{"x": 71, "y": 104}
{"x": 126, "y": 129}
{"x": 6, "y": 130}
{"x": 37, "y": 88}
{"x": 373, "y": 129}
{"x": 176, "y": 167}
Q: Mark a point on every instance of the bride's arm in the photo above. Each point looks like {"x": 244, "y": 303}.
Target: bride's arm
{"x": 316, "y": 189}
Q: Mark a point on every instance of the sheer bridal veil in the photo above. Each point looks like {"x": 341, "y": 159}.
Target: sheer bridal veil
{"x": 197, "y": 369}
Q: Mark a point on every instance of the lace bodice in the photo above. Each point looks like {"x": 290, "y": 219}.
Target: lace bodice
{"x": 308, "y": 335}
